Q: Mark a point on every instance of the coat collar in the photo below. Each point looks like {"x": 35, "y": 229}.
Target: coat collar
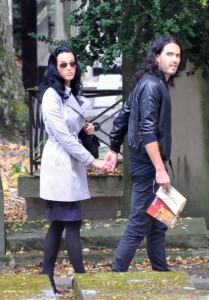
{"x": 80, "y": 104}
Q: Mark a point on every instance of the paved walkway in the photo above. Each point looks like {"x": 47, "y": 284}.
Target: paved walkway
{"x": 188, "y": 234}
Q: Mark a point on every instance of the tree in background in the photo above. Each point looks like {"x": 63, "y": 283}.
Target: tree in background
{"x": 110, "y": 28}
{"x": 13, "y": 110}
{"x": 107, "y": 29}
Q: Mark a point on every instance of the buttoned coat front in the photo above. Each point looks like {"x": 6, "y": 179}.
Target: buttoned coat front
{"x": 63, "y": 174}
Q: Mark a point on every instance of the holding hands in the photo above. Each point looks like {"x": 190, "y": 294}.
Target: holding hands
{"x": 111, "y": 159}
{"x": 108, "y": 164}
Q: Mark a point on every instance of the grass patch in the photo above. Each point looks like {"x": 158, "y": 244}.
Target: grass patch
{"x": 18, "y": 286}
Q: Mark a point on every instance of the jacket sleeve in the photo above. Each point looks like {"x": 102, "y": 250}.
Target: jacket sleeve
{"x": 120, "y": 127}
{"x": 149, "y": 106}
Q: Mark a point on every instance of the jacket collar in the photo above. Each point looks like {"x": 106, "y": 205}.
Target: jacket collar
{"x": 162, "y": 77}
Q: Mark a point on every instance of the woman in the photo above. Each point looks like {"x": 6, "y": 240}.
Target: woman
{"x": 63, "y": 179}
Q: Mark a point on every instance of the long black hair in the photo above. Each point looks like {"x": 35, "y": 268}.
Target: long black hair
{"x": 53, "y": 79}
{"x": 150, "y": 64}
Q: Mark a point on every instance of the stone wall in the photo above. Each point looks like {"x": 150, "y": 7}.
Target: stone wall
{"x": 105, "y": 191}
{"x": 190, "y": 146}
{"x": 190, "y": 104}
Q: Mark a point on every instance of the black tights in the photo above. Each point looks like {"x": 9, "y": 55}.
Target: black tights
{"x": 73, "y": 244}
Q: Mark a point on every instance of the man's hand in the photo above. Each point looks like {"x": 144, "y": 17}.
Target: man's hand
{"x": 112, "y": 159}
{"x": 163, "y": 179}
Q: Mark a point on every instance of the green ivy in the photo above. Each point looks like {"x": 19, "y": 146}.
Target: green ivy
{"x": 17, "y": 168}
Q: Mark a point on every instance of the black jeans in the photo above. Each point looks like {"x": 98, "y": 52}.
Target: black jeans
{"x": 141, "y": 225}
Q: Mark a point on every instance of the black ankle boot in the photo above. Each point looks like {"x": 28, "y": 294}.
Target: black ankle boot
{"x": 72, "y": 283}
{"x": 56, "y": 291}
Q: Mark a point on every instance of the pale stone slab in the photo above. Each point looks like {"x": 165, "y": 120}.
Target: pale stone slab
{"x": 132, "y": 285}
{"x": 26, "y": 287}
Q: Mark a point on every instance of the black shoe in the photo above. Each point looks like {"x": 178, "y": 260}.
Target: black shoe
{"x": 56, "y": 291}
{"x": 72, "y": 283}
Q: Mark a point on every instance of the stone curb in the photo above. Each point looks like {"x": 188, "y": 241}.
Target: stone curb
{"x": 189, "y": 233}
{"x": 199, "y": 283}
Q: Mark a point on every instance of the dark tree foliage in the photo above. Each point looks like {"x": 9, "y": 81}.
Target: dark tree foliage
{"x": 109, "y": 28}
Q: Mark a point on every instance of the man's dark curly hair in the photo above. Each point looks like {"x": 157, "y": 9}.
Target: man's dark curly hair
{"x": 150, "y": 64}
{"x": 53, "y": 79}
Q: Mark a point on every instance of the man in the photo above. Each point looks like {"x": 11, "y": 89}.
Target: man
{"x": 146, "y": 116}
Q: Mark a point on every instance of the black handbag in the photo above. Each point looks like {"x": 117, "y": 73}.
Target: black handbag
{"x": 90, "y": 142}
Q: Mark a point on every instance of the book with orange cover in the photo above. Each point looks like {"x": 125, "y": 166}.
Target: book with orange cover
{"x": 167, "y": 207}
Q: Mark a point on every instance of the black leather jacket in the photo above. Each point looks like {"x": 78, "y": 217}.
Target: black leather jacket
{"x": 146, "y": 116}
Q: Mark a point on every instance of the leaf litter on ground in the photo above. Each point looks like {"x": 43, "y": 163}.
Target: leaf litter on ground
{"x": 14, "y": 161}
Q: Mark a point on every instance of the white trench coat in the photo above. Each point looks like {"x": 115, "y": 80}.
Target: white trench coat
{"x": 63, "y": 174}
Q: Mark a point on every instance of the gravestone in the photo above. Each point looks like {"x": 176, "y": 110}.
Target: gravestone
{"x": 2, "y": 231}
{"x": 134, "y": 285}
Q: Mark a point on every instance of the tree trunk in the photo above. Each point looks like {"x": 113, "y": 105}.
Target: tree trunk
{"x": 13, "y": 111}
{"x": 128, "y": 70}
{"x": 2, "y": 230}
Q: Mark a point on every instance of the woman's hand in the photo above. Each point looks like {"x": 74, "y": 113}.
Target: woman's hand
{"x": 89, "y": 128}
{"x": 102, "y": 165}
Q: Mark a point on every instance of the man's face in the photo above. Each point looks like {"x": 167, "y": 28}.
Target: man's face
{"x": 169, "y": 59}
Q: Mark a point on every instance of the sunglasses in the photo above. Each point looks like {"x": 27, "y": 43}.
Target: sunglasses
{"x": 64, "y": 64}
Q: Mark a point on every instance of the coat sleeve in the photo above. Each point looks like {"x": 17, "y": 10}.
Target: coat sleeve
{"x": 51, "y": 107}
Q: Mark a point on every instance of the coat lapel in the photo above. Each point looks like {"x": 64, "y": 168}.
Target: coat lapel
{"x": 78, "y": 105}
{"x": 72, "y": 102}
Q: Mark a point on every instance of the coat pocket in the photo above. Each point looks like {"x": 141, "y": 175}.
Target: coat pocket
{"x": 61, "y": 158}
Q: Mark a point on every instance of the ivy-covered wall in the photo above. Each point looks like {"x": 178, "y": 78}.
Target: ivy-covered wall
{"x": 13, "y": 110}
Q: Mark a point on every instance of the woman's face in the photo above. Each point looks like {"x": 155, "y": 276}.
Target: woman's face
{"x": 66, "y": 66}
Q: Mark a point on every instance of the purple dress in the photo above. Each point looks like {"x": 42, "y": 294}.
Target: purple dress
{"x": 63, "y": 211}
